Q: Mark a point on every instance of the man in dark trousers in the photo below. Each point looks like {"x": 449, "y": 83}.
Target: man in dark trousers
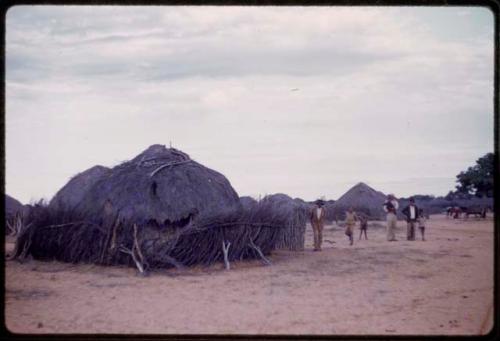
{"x": 411, "y": 213}
{"x": 317, "y": 222}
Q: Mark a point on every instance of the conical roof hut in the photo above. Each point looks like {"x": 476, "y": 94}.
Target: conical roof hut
{"x": 70, "y": 195}
{"x": 361, "y": 198}
{"x": 162, "y": 208}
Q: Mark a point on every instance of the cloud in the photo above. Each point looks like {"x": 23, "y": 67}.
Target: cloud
{"x": 372, "y": 88}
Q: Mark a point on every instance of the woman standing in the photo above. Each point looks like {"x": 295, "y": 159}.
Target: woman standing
{"x": 390, "y": 207}
{"x": 350, "y": 221}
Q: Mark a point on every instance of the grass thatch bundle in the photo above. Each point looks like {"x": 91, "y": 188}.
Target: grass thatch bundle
{"x": 157, "y": 210}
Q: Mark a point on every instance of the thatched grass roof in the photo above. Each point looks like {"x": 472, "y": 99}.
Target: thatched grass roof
{"x": 163, "y": 185}
{"x": 71, "y": 194}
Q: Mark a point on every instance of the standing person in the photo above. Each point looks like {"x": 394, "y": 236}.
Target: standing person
{"x": 390, "y": 206}
{"x": 350, "y": 221}
{"x": 363, "y": 225}
{"x": 411, "y": 213}
{"x": 421, "y": 223}
{"x": 317, "y": 222}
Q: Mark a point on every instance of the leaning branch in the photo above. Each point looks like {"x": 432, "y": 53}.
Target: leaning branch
{"x": 131, "y": 253}
{"x": 167, "y": 165}
{"x": 259, "y": 251}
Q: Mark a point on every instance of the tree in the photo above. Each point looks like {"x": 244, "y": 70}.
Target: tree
{"x": 478, "y": 179}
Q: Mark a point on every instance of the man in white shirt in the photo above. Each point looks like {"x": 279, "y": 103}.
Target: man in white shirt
{"x": 411, "y": 213}
{"x": 390, "y": 206}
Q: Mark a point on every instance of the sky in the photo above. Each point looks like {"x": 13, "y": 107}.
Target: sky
{"x": 306, "y": 101}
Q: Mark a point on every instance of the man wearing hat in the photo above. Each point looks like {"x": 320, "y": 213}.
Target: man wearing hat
{"x": 411, "y": 213}
{"x": 317, "y": 222}
{"x": 390, "y": 206}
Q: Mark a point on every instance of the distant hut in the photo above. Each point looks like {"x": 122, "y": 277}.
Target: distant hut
{"x": 248, "y": 202}
{"x": 362, "y": 198}
{"x": 13, "y": 214}
{"x": 159, "y": 209}
{"x": 12, "y": 206}
{"x": 295, "y": 213}
{"x": 71, "y": 194}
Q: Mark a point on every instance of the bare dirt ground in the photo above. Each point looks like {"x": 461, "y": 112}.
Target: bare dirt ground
{"x": 441, "y": 286}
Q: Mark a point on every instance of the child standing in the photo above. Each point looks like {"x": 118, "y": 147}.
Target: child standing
{"x": 363, "y": 224}
{"x": 421, "y": 223}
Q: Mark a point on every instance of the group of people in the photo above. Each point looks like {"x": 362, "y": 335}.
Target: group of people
{"x": 414, "y": 217}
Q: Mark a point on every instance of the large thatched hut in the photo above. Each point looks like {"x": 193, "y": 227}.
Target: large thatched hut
{"x": 362, "y": 198}
{"x": 159, "y": 209}
{"x": 70, "y": 195}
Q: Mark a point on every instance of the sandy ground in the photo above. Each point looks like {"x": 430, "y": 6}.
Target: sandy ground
{"x": 441, "y": 286}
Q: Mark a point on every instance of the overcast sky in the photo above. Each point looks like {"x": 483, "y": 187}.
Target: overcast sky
{"x": 303, "y": 101}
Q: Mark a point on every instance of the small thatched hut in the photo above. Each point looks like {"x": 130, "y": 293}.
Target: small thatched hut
{"x": 296, "y": 215}
{"x": 161, "y": 208}
{"x": 13, "y": 214}
{"x": 248, "y": 202}
{"x": 362, "y": 198}
{"x": 12, "y": 206}
{"x": 70, "y": 195}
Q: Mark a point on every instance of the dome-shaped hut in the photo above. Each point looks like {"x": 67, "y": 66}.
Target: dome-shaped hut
{"x": 283, "y": 207}
{"x": 13, "y": 214}
{"x": 12, "y": 206}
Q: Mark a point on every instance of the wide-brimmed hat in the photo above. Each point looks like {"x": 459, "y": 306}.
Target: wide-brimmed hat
{"x": 320, "y": 202}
